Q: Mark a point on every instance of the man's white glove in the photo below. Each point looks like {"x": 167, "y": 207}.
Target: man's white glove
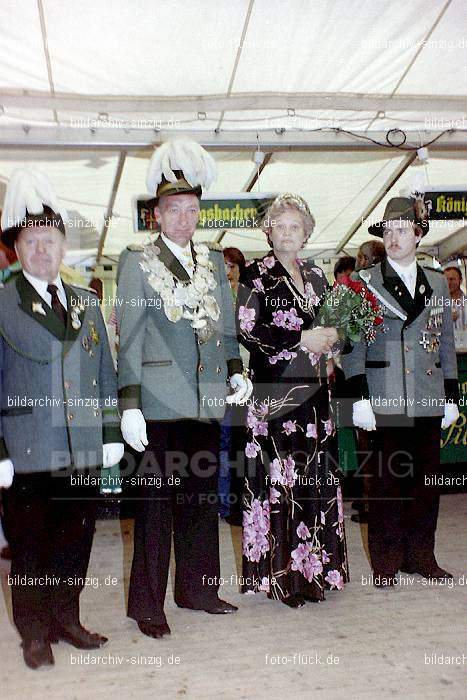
{"x": 133, "y": 427}
{"x": 451, "y": 414}
{"x": 112, "y": 452}
{"x": 363, "y": 416}
{"x": 6, "y": 473}
{"x": 243, "y": 388}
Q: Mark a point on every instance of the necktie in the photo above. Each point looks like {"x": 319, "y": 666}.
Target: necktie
{"x": 56, "y": 303}
{"x": 188, "y": 261}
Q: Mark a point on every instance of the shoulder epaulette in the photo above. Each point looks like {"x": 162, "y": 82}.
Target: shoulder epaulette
{"x": 135, "y": 247}
{"x": 433, "y": 269}
{"x": 214, "y": 246}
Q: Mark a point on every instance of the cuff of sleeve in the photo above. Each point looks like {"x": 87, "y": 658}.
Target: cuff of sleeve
{"x": 234, "y": 366}
{"x": 111, "y": 433}
{"x": 3, "y": 450}
{"x": 357, "y": 387}
{"x": 129, "y": 397}
{"x": 451, "y": 390}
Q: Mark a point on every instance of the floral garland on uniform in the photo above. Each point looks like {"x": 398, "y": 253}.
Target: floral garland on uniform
{"x": 188, "y": 300}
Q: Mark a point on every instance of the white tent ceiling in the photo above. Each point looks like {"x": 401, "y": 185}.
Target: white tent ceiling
{"x": 88, "y": 87}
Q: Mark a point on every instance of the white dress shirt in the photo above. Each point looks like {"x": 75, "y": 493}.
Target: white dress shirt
{"x": 183, "y": 255}
{"x": 41, "y": 288}
{"x": 408, "y": 274}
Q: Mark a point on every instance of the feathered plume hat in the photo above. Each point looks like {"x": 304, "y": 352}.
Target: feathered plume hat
{"x": 413, "y": 209}
{"x": 180, "y": 166}
{"x": 30, "y": 201}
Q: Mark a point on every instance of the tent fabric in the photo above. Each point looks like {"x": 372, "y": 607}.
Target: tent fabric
{"x": 65, "y": 64}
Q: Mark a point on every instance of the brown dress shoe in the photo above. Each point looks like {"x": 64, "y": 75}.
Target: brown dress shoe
{"x": 433, "y": 572}
{"x": 76, "y": 635}
{"x": 152, "y": 629}
{"x": 37, "y": 653}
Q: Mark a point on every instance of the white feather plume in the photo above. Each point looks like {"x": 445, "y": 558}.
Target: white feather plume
{"x": 28, "y": 190}
{"x": 197, "y": 165}
{"x": 415, "y": 184}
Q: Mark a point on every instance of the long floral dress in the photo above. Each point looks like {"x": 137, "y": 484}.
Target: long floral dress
{"x": 293, "y": 525}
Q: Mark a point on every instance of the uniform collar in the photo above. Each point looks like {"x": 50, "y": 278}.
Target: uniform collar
{"x": 170, "y": 259}
{"x": 41, "y": 288}
{"x": 404, "y": 270}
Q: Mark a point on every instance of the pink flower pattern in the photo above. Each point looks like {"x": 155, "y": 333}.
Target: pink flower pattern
{"x": 290, "y": 426}
{"x": 246, "y": 317}
{"x": 256, "y": 522}
{"x": 335, "y": 579}
{"x": 293, "y": 539}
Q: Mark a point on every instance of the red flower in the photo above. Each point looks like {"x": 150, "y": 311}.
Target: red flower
{"x": 378, "y": 320}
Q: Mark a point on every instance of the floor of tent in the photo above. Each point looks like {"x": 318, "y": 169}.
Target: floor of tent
{"x": 359, "y": 643}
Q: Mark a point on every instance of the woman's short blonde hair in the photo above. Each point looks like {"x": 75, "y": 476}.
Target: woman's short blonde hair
{"x": 283, "y": 203}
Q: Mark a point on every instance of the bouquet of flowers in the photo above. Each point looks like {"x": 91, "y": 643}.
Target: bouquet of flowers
{"x": 353, "y": 310}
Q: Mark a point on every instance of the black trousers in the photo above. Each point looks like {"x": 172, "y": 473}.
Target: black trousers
{"x": 50, "y": 523}
{"x": 403, "y": 502}
{"x": 188, "y": 450}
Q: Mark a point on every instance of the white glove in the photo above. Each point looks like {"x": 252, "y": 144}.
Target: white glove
{"x": 451, "y": 414}
{"x": 363, "y": 416}
{"x": 243, "y": 388}
{"x": 112, "y": 452}
{"x": 6, "y": 473}
{"x": 133, "y": 427}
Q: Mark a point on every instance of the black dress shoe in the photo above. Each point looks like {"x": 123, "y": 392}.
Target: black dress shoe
{"x": 37, "y": 653}
{"x": 151, "y": 629}
{"x": 219, "y": 607}
{"x": 433, "y": 572}
{"x": 76, "y": 635}
{"x": 294, "y": 601}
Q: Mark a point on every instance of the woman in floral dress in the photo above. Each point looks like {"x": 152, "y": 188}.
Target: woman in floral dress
{"x": 293, "y": 531}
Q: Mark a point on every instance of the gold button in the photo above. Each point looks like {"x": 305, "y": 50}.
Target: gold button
{"x": 94, "y": 382}
{"x": 218, "y": 370}
{"x": 96, "y": 412}
{"x": 429, "y": 372}
{"x": 219, "y": 343}
{"x": 70, "y": 416}
{"x": 200, "y": 342}
{"x": 407, "y": 371}
{"x": 201, "y": 368}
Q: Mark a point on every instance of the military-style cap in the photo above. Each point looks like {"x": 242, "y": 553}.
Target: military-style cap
{"x": 180, "y": 186}
{"x": 413, "y": 209}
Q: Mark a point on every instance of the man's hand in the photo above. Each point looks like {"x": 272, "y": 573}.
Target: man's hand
{"x": 243, "y": 388}
{"x": 451, "y": 414}
{"x": 112, "y": 452}
{"x": 6, "y": 473}
{"x": 363, "y": 416}
{"x": 133, "y": 427}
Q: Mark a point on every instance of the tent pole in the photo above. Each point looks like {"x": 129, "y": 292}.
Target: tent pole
{"x": 109, "y": 212}
{"x": 401, "y": 168}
